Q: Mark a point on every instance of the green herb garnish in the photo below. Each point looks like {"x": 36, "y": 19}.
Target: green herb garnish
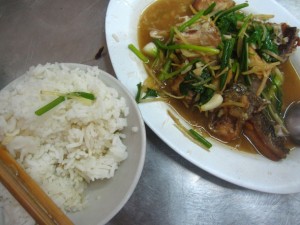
{"x": 138, "y": 53}
{"x": 62, "y": 98}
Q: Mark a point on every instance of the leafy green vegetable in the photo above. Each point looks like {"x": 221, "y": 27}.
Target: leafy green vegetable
{"x": 150, "y": 93}
{"x": 256, "y": 35}
{"x": 269, "y": 44}
{"x": 263, "y": 37}
{"x": 207, "y": 95}
{"x": 228, "y": 24}
{"x": 195, "y": 83}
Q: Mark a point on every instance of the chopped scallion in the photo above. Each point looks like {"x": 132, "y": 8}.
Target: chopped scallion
{"x": 230, "y": 10}
{"x": 61, "y": 98}
{"x": 209, "y": 8}
{"x": 50, "y": 106}
{"x": 166, "y": 76}
{"x": 139, "y": 92}
{"x": 191, "y": 21}
{"x": 206, "y": 49}
{"x": 225, "y": 59}
{"x": 199, "y": 138}
{"x": 138, "y": 53}
{"x": 190, "y": 133}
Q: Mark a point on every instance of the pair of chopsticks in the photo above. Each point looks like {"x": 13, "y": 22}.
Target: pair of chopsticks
{"x": 28, "y": 193}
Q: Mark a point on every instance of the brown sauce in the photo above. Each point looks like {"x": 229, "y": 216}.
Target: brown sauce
{"x": 168, "y": 12}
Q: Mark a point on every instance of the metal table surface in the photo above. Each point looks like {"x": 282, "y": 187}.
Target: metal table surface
{"x": 171, "y": 190}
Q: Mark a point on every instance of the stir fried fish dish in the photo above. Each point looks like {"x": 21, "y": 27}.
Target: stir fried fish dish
{"x": 224, "y": 65}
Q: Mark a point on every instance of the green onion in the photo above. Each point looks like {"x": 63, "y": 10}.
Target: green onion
{"x": 245, "y": 26}
{"x": 278, "y": 77}
{"x": 190, "y": 133}
{"x": 226, "y": 55}
{"x": 191, "y": 21}
{"x": 61, "y": 98}
{"x": 150, "y": 93}
{"x": 242, "y": 35}
{"x": 85, "y": 95}
{"x": 167, "y": 66}
{"x": 209, "y": 9}
{"x": 230, "y": 10}
{"x": 139, "y": 92}
{"x": 277, "y": 118}
{"x": 201, "y": 83}
{"x": 166, "y": 76}
{"x": 206, "y": 49}
{"x": 171, "y": 36}
{"x": 244, "y": 60}
{"x": 138, "y": 53}
{"x": 50, "y": 106}
{"x": 196, "y": 17}
{"x": 199, "y": 138}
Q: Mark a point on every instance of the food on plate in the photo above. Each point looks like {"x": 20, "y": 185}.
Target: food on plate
{"x": 224, "y": 70}
{"x": 66, "y": 147}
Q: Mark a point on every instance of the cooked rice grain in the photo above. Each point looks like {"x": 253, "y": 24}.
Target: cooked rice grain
{"x": 72, "y": 144}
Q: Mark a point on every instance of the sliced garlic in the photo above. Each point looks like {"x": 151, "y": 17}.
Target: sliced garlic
{"x": 213, "y": 103}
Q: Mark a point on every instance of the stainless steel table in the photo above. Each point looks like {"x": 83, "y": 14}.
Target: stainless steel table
{"x": 171, "y": 190}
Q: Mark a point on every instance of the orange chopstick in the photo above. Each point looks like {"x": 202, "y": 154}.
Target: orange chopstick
{"x": 28, "y": 193}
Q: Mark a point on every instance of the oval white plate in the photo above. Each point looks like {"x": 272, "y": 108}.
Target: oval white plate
{"x": 247, "y": 170}
{"x": 107, "y": 197}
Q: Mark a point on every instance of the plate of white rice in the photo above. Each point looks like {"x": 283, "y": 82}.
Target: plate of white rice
{"x": 87, "y": 155}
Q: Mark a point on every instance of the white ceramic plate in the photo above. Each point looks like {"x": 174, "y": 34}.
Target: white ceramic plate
{"x": 247, "y": 170}
{"x": 107, "y": 197}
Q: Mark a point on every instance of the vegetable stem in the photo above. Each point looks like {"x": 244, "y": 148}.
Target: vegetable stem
{"x": 244, "y": 60}
{"x": 206, "y": 49}
{"x": 226, "y": 55}
{"x": 50, "y": 105}
{"x": 63, "y": 97}
{"x": 196, "y": 17}
{"x": 138, "y": 53}
{"x": 190, "y": 133}
{"x": 232, "y": 9}
{"x": 85, "y": 95}
{"x": 191, "y": 21}
{"x": 165, "y": 76}
{"x": 209, "y": 9}
{"x": 199, "y": 138}
{"x": 139, "y": 92}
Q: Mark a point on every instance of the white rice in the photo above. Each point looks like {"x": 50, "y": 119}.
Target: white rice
{"x": 69, "y": 146}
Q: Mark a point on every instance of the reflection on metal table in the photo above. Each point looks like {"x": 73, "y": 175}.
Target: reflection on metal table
{"x": 171, "y": 190}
